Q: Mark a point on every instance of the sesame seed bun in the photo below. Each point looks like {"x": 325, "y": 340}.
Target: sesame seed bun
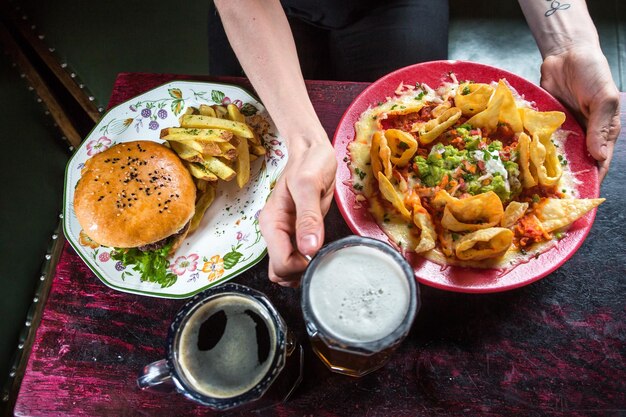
{"x": 134, "y": 194}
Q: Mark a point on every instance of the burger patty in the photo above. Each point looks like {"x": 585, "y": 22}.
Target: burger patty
{"x": 161, "y": 243}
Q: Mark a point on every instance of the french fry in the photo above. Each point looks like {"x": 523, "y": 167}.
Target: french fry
{"x": 201, "y": 185}
{"x": 242, "y": 163}
{"x": 200, "y": 146}
{"x": 255, "y": 140}
{"x": 206, "y": 110}
{"x": 228, "y": 151}
{"x": 181, "y": 134}
{"x": 215, "y": 142}
{"x": 220, "y": 111}
{"x": 235, "y": 114}
{"x": 202, "y": 204}
{"x": 186, "y": 152}
{"x": 199, "y": 171}
{"x": 219, "y": 168}
{"x": 258, "y": 150}
{"x": 206, "y": 122}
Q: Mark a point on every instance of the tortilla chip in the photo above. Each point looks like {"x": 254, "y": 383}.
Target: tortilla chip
{"x": 441, "y": 199}
{"x": 480, "y": 211}
{"x": 476, "y": 100}
{"x": 513, "y": 212}
{"x": 428, "y": 235}
{"x": 484, "y": 244}
{"x": 527, "y": 169}
{"x": 390, "y": 194}
{"x": 543, "y": 124}
{"x": 501, "y": 109}
{"x": 441, "y": 109}
{"x": 430, "y": 130}
{"x": 403, "y": 146}
{"x": 544, "y": 158}
{"x": 555, "y": 213}
{"x": 384, "y": 153}
{"x": 447, "y": 243}
{"x": 375, "y": 161}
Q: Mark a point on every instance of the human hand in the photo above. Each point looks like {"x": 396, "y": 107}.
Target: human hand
{"x": 292, "y": 221}
{"x": 580, "y": 77}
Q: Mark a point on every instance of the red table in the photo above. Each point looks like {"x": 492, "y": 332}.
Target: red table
{"x": 554, "y": 347}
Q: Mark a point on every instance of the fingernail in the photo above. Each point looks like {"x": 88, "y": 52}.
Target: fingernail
{"x": 308, "y": 243}
{"x": 603, "y": 152}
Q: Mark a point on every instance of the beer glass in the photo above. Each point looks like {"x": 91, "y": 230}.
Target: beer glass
{"x": 228, "y": 347}
{"x": 359, "y": 299}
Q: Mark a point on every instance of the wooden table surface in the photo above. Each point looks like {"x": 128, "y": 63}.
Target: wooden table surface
{"x": 554, "y": 347}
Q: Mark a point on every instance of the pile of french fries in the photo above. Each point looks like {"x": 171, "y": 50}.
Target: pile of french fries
{"x": 215, "y": 143}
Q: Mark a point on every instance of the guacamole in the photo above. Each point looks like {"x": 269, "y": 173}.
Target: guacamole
{"x": 478, "y": 168}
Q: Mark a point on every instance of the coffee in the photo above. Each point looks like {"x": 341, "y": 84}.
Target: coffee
{"x": 226, "y": 346}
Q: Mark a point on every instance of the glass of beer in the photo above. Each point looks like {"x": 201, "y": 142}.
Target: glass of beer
{"x": 229, "y": 347}
{"x": 359, "y": 299}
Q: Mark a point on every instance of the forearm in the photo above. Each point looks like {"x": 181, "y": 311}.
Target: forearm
{"x": 260, "y": 35}
{"x": 559, "y": 25}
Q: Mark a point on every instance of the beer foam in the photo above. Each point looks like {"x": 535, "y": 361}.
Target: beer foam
{"x": 359, "y": 294}
{"x": 232, "y": 366}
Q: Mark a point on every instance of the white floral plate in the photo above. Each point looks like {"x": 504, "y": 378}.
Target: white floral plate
{"x": 228, "y": 240}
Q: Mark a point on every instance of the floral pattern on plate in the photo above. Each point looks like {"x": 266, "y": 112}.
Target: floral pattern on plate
{"x": 228, "y": 240}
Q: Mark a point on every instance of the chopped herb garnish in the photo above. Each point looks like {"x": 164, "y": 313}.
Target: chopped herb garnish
{"x": 466, "y": 91}
{"x": 359, "y": 172}
{"x": 358, "y": 186}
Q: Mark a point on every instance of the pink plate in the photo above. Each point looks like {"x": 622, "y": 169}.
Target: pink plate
{"x": 469, "y": 280}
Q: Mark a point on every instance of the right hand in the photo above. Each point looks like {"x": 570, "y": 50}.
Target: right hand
{"x": 581, "y": 78}
{"x": 292, "y": 221}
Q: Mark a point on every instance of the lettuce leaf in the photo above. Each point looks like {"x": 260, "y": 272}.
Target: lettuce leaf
{"x": 151, "y": 265}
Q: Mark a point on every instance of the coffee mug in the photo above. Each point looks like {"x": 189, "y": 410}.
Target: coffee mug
{"x": 228, "y": 347}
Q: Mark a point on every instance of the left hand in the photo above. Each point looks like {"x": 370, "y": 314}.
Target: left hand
{"x": 580, "y": 77}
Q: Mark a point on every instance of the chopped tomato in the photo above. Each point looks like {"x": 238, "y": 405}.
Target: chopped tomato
{"x": 528, "y": 230}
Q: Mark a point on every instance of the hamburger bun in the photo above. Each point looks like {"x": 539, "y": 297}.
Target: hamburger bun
{"x": 134, "y": 194}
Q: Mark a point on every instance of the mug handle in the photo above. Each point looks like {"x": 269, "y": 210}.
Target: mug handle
{"x": 153, "y": 374}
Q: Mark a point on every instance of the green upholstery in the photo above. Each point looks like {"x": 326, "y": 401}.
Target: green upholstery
{"x": 32, "y": 164}
{"x": 99, "y": 39}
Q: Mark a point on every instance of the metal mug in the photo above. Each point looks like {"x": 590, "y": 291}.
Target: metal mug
{"x": 228, "y": 347}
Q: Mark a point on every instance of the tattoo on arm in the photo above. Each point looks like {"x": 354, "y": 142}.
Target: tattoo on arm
{"x": 555, "y": 6}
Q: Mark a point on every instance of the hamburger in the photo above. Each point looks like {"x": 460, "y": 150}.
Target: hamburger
{"x": 139, "y": 198}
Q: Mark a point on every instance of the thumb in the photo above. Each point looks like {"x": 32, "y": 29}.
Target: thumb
{"x": 309, "y": 218}
{"x": 602, "y": 128}
{"x": 597, "y": 136}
